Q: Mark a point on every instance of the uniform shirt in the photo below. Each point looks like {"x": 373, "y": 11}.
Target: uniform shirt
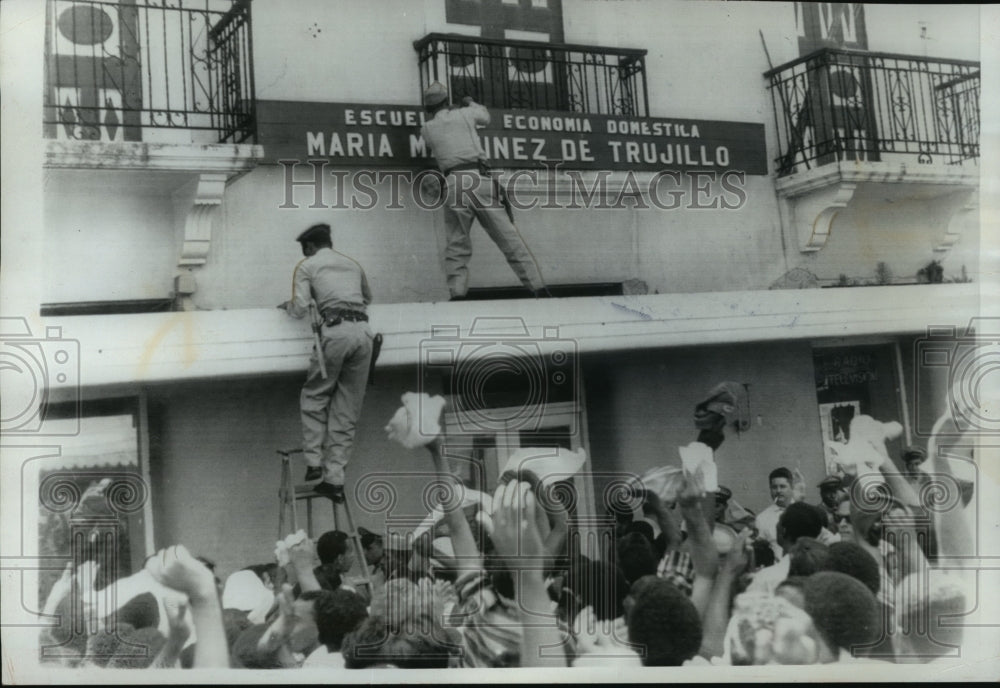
{"x": 333, "y": 280}
{"x": 451, "y": 135}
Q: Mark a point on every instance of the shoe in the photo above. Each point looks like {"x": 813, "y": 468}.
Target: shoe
{"x": 313, "y": 473}
{"x": 463, "y": 297}
{"x": 334, "y": 492}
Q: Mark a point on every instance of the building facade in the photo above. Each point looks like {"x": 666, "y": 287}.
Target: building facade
{"x": 784, "y": 195}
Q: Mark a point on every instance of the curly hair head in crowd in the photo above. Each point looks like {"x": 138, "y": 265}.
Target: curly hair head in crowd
{"x": 844, "y": 611}
{"x": 799, "y": 520}
{"x": 372, "y": 644}
{"x": 596, "y": 584}
{"x": 337, "y": 613}
{"x": 331, "y": 545}
{"x": 852, "y": 559}
{"x": 664, "y": 623}
{"x": 101, "y": 647}
{"x": 643, "y": 528}
{"x": 636, "y": 557}
{"x": 763, "y": 555}
{"x": 807, "y": 556}
{"x": 137, "y": 648}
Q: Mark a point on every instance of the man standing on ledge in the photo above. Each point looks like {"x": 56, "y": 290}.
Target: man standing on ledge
{"x": 331, "y": 406}
{"x": 471, "y": 193}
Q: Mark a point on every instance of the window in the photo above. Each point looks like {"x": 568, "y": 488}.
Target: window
{"x": 479, "y": 458}
{"x": 94, "y": 495}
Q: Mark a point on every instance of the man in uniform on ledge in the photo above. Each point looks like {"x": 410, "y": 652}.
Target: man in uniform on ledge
{"x": 331, "y": 406}
{"x": 451, "y": 135}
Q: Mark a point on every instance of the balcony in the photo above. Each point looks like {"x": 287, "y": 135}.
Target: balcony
{"x": 847, "y": 118}
{"x": 848, "y": 105}
{"x": 530, "y": 75}
{"x": 153, "y": 71}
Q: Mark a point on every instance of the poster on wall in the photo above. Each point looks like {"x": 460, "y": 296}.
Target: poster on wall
{"x": 835, "y": 422}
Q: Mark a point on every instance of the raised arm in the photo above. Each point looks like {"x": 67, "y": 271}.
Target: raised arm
{"x": 480, "y": 115}
{"x": 955, "y": 534}
{"x": 302, "y": 558}
{"x": 519, "y": 542}
{"x": 175, "y": 568}
{"x": 467, "y": 554}
{"x": 715, "y": 618}
{"x": 704, "y": 555}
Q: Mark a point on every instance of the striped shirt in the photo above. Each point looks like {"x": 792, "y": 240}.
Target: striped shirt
{"x": 677, "y": 567}
{"x": 490, "y": 624}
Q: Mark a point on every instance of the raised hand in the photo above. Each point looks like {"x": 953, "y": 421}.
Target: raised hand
{"x": 175, "y": 568}
{"x": 738, "y": 558}
{"x": 302, "y": 555}
{"x": 692, "y": 490}
{"x": 515, "y": 528}
{"x": 176, "y": 611}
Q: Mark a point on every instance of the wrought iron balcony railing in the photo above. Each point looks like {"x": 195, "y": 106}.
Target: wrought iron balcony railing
{"x": 835, "y": 105}
{"x": 533, "y": 75}
{"x": 149, "y": 70}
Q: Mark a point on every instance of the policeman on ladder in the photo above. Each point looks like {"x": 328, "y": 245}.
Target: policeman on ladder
{"x": 334, "y": 389}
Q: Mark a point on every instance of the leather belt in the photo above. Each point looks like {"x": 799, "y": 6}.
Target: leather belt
{"x": 464, "y": 166}
{"x": 332, "y": 318}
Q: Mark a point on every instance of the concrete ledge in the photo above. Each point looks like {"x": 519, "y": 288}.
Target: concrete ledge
{"x": 168, "y": 157}
{"x": 862, "y": 171}
{"x": 160, "y": 347}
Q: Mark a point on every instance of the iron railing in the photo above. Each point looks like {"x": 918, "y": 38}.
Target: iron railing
{"x": 532, "y": 75}
{"x": 837, "y": 104}
{"x": 149, "y": 70}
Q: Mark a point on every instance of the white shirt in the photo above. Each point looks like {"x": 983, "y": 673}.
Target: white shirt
{"x": 767, "y": 526}
{"x": 324, "y": 658}
{"x": 770, "y": 577}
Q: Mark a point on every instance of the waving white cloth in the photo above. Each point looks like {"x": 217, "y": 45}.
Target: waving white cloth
{"x": 417, "y": 422}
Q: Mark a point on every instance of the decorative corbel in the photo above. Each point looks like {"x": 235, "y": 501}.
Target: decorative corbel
{"x": 198, "y": 222}
{"x": 964, "y": 216}
{"x": 814, "y": 217}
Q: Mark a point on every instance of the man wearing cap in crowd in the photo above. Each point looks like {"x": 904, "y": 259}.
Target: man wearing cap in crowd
{"x": 725, "y": 516}
{"x": 450, "y": 134}
{"x": 331, "y": 405}
{"x": 913, "y": 457}
{"x": 831, "y": 494}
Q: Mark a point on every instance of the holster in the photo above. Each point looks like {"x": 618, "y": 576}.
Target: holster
{"x": 376, "y": 350}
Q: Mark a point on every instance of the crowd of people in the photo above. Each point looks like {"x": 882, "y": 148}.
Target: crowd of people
{"x": 502, "y": 580}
